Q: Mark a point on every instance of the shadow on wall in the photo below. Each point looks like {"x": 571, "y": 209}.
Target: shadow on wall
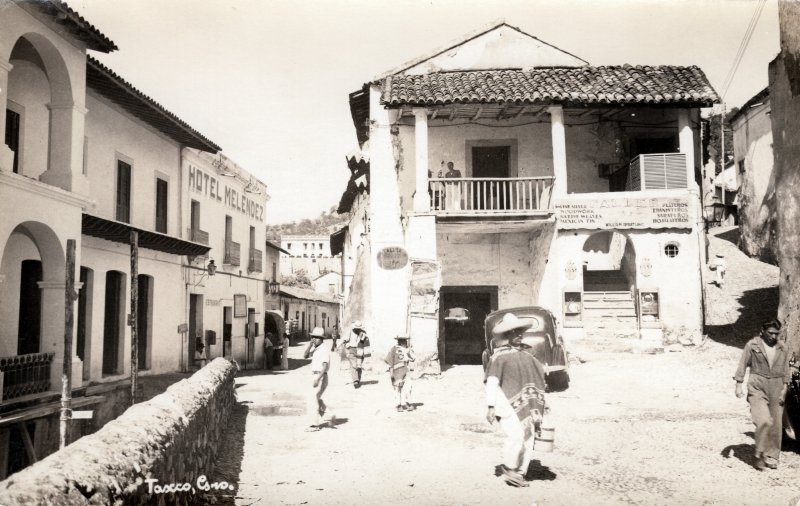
{"x": 757, "y": 306}
{"x": 228, "y": 464}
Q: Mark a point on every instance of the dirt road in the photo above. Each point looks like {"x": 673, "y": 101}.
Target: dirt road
{"x": 631, "y": 429}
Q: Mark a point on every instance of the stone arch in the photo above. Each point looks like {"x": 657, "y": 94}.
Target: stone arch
{"x": 51, "y": 251}
{"x": 54, "y": 63}
{"x": 609, "y": 261}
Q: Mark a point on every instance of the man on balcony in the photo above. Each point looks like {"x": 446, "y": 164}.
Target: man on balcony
{"x": 453, "y": 190}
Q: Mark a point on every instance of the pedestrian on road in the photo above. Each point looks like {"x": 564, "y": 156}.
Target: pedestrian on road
{"x": 357, "y": 346}
{"x": 200, "y": 357}
{"x": 268, "y": 351}
{"x": 285, "y": 354}
{"x": 319, "y": 349}
{"x": 767, "y": 357}
{"x": 515, "y": 397}
{"x": 398, "y": 359}
{"x": 719, "y": 269}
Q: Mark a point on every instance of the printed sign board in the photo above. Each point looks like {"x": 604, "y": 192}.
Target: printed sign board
{"x": 239, "y": 305}
{"x": 392, "y": 258}
{"x": 623, "y": 212}
{"x": 183, "y": 327}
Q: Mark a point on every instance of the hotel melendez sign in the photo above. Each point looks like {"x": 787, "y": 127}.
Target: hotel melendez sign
{"x": 212, "y": 187}
{"x": 621, "y": 212}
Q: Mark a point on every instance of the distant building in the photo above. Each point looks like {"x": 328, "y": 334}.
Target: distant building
{"x": 309, "y": 309}
{"x": 311, "y": 253}
{"x": 330, "y": 282}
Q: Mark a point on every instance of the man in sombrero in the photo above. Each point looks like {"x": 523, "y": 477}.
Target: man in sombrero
{"x": 514, "y": 395}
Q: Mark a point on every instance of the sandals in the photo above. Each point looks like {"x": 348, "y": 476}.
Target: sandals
{"x": 513, "y": 478}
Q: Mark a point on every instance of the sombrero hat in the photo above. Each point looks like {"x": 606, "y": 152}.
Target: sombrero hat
{"x": 318, "y": 332}
{"x": 358, "y": 325}
{"x": 510, "y": 322}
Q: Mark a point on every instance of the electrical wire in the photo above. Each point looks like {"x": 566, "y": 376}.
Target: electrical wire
{"x": 742, "y": 47}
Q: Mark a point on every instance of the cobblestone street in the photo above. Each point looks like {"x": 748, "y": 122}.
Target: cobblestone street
{"x": 631, "y": 429}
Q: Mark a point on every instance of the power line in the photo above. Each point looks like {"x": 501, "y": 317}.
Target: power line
{"x": 743, "y": 47}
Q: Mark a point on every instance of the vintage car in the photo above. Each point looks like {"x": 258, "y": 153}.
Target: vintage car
{"x": 542, "y": 340}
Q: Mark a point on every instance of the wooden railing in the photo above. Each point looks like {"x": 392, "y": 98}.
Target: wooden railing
{"x": 232, "y": 256}
{"x": 25, "y": 374}
{"x": 198, "y": 236}
{"x": 480, "y": 195}
{"x": 255, "y": 261}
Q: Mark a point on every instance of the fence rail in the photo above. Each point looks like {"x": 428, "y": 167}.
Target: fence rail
{"x": 25, "y": 374}
{"x": 199, "y": 236}
{"x": 479, "y": 195}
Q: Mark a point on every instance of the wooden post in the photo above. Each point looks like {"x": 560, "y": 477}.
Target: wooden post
{"x": 134, "y": 318}
{"x": 66, "y": 374}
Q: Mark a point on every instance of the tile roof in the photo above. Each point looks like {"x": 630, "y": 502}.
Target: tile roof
{"x": 75, "y": 24}
{"x": 757, "y": 99}
{"x": 584, "y": 85}
{"x": 118, "y": 90}
{"x": 306, "y": 294}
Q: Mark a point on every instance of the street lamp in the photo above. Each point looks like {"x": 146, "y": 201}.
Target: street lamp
{"x": 274, "y": 287}
{"x": 208, "y": 271}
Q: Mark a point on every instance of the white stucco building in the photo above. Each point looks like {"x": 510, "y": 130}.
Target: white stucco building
{"x": 100, "y": 183}
{"x": 576, "y": 191}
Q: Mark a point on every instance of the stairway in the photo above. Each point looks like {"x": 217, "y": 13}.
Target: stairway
{"x": 610, "y": 314}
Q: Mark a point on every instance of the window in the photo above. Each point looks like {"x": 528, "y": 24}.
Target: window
{"x": 252, "y": 238}
{"x": 320, "y": 246}
{"x": 195, "y": 216}
{"x": 274, "y": 271}
{"x": 123, "y": 191}
{"x": 12, "y": 135}
{"x": 671, "y": 250}
{"x": 741, "y": 166}
{"x": 305, "y": 245}
{"x": 161, "y": 205}
{"x": 288, "y": 245}
{"x": 228, "y": 229}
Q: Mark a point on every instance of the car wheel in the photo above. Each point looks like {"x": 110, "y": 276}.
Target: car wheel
{"x": 558, "y": 381}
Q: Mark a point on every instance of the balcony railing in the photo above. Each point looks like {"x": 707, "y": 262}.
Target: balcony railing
{"x": 487, "y": 196}
{"x": 232, "y": 253}
{"x": 662, "y": 171}
{"x": 198, "y": 236}
{"x": 255, "y": 261}
{"x": 25, "y": 374}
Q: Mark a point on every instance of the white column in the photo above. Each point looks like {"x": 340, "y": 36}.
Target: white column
{"x": 65, "y": 166}
{"x": 559, "y": 150}
{"x": 686, "y": 141}
{"x": 51, "y": 338}
{"x": 422, "y": 200}
{"x": 6, "y": 155}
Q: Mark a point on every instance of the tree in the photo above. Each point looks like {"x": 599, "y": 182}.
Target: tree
{"x": 299, "y": 279}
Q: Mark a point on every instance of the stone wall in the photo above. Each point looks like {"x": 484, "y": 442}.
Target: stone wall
{"x": 172, "y": 438}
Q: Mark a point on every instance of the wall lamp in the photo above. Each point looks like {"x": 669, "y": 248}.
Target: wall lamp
{"x": 208, "y": 271}
{"x": 274, "y": 287}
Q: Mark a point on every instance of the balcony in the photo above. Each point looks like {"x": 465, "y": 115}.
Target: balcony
{"x": 478, "y": 196}
{"x": 232, "y": 250}
{"x": 661, "y": 171}
{"x": 255, "y": 261}
{"x": 25, "y": 374}
{"x": 198, "y": 236}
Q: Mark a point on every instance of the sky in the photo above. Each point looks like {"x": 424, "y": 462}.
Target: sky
{"x": 268, "y": 80}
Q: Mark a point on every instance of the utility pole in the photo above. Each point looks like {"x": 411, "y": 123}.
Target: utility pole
{"x": 66, "y": 374}
{"x": 134, "y": 317}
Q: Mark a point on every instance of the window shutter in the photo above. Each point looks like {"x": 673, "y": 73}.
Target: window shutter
{"x": 161, "y": 206}
{"x": 123, "y": 191}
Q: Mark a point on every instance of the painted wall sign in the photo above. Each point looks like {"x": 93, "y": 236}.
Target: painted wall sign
{"x": 622, "y": 212}
{"x": 392, "y": 258}
{"x": 183, "y": 327}
{"x": 239, "y": 305}
{"x": 212, "y": 302}
{"x": 213, "y": 188}
{"x": 571, "y": 270}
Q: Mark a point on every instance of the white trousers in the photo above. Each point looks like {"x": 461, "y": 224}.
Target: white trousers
{"x": 517, "y": 452}
{"x": 315, "y": 401}
{"x": 402, "y": 391}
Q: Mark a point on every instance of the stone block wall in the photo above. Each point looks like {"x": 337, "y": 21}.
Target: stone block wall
{"x": 173, "y": 438}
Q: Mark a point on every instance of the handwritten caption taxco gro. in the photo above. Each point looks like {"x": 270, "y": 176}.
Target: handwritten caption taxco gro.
{"x": 201, "y": 484}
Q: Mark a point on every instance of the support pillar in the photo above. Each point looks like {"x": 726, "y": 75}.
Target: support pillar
{"x": 6, "y": 155}
{"x": 686, "y": 144}
{"x": 51, "y": 339}
{"x": 559, "y": 150}
{"x": 422, "y": 201}
{"x": 65, "y": 166}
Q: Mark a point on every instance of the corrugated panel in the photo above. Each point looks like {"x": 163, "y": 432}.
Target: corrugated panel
{"x": 675, "y": 168}
{"x": 664, "y": 171}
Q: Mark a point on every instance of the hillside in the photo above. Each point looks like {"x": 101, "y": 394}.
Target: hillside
{"x": 325, "y": 224}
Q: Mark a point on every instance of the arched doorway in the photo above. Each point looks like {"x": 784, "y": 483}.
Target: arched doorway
{"x": 609, "y": 284}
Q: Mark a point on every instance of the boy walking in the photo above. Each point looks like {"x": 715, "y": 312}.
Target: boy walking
{"x": 320, "y": 352}
{"x": 398, "y": 359}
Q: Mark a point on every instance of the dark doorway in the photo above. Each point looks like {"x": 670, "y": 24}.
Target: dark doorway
{"x": 195, "y": 325}
{"x": 649, "y": 145}
{"x": 490, "y": 161}
{"x": 252, "y": 331}
{"x": 18, "y": 457}
{"x": 462, "y": 340}
{"x": 227, "y": 330}
{"x": 112, "y": 323}
{"x": 30, "y": 307}
{"x": 144, "y": 318}
{"x": 84, "y": 303}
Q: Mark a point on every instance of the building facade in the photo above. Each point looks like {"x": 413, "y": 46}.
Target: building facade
{"x": 99, "y": 185}
{"x": 574, "y": 188}
{"x": 307, "y": 309}
{"x": 309, "y": 253}
{"x": 752, "y": 147}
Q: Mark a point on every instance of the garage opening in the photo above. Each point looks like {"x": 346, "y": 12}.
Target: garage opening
{"x": 462, "y": 311}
